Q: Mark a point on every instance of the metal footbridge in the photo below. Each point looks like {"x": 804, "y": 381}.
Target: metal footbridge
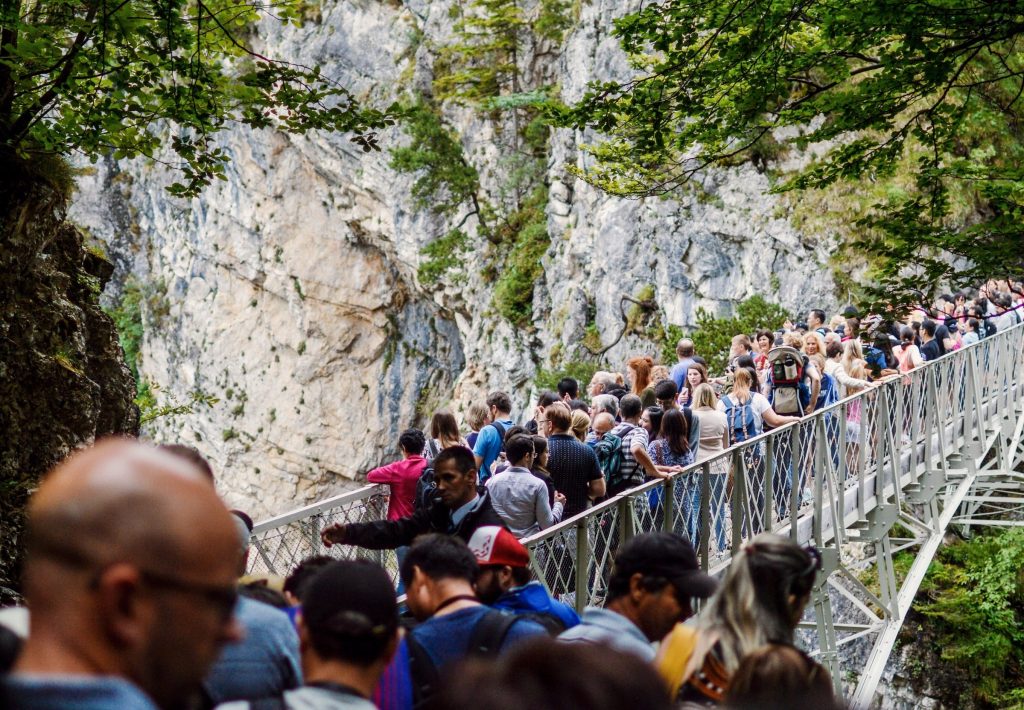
{"x": 890, "y": 469}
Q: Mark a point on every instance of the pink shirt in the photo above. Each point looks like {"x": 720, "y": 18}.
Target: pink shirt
{"x": 402, "y": 477}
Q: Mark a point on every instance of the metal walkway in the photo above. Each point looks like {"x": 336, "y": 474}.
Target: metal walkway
{"x": 889, "y": 469}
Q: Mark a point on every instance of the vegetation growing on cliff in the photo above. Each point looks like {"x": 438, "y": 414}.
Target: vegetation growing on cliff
{"x": 713, "y": 335}
{"x": 968, "y": 618}
{"x": 932, "y": 90}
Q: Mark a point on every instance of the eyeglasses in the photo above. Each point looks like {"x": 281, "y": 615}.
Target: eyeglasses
{"x": 222, "y": 599}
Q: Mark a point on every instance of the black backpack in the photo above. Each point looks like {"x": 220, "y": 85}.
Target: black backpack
{"x": 500, "y": 428}
{"x": 484, "y": 642}
{"x": 426, "y": 489}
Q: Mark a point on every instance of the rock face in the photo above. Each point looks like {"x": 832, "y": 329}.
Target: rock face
{"x": 290, "y": 290}
{"x": 63, "y": 381}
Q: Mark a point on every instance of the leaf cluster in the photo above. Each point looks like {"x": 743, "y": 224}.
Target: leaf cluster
{"x": 873, "y": 84}
{"x": 713, "y": 336}
{"x": 119, "y": 77}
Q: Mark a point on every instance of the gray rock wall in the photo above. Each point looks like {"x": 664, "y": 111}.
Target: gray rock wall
{"x": 291, "y": 291}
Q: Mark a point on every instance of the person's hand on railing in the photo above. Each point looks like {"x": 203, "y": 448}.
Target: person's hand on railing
{"x": 332, "y": 534}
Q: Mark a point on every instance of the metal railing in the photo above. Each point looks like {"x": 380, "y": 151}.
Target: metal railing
{"x": 908, "y": 449}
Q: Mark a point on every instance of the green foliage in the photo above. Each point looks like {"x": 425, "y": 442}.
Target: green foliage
{"x": 150, "y": 409}
{"x": 713, "y": 336}
{"x": 136, "y": 77}
{"x": 443, "y": 255}
{"x": 973, "y": 597}
{"x": 927, "y": 90}
{"x": 127, "y": 317}
{"x": 581, "y": 371}
{"x": 445, "y": 180}
{"x": 527, "y": 228}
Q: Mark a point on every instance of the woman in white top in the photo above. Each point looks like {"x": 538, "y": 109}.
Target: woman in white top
{"x": 909, "y": 355}
{"x": 834, "y": 368}
{"x": 760, "y": 407}
{"x": 714, "y": 427}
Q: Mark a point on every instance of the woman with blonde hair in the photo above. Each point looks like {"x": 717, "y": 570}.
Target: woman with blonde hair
{"x": 477, "y": 417}
{"x": 580, "y": 425}
{"x": 714, "y": 439}
{"x": 853, "y": 355}
{"x": 639, "y": 369}
{"x": 760, "y": 601}
{"x": 814, "y": 343}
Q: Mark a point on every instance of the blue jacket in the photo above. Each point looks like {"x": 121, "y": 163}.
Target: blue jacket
{"x": 533, "y": 598}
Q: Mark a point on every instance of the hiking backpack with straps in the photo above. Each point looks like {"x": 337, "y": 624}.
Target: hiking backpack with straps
{"x": 608, "y": 450}
{"x": 742, "y": 425}
{"x": 786, "y": 368}
{"x": 484, "y": 642}
{"x": 426, "y": 489}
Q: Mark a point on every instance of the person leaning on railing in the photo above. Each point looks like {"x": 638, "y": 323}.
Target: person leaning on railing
{"x": 458, "y": 508}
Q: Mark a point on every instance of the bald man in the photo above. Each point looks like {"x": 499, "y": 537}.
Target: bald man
{"x": 130, "y": 578}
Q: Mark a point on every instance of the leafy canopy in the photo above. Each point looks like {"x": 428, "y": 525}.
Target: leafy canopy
{"x": 127, "y": 76}
{"x": 881, "y": 86}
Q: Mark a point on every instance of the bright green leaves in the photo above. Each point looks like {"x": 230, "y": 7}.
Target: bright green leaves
{"x": 134, "y": 76}
{"x": 884, "y": 86}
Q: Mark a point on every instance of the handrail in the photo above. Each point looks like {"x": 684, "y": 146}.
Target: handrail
{"x": 306, "y": 511}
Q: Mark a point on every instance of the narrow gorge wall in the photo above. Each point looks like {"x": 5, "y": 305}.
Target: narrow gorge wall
{"x": 290, "y": 290}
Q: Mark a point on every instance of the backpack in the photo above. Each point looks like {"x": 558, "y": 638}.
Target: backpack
{"x": 787, "y": 368}
{"x": 829, "y": 392}
{"x": 742, "y": 425}
{"x": 500, "y": 428}
{"x": 426, "y": 488}
{"x": 608, "y": 450}
{"x": 485, "y": 642}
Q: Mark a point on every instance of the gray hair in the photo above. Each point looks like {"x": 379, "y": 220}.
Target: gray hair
{"x": 605, "y": 403}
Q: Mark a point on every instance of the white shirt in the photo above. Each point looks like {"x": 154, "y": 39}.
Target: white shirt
{"x": 758, "y": 403}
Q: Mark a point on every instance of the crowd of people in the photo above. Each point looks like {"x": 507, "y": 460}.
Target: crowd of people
{"x": 137, "y": 596}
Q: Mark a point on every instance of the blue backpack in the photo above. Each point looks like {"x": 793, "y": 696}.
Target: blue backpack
{"x": 742, "y": 424}
{"x": 829, "y": 392}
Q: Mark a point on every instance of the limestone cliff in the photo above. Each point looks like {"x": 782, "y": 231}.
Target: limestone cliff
{"x": 290, "y": 290}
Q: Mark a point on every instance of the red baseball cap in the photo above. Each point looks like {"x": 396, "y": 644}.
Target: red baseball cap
{"x": 494, "y": 545}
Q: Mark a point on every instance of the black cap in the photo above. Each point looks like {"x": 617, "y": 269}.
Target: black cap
{"x": 351, "y": 598}
{"x": 662, "y": 554}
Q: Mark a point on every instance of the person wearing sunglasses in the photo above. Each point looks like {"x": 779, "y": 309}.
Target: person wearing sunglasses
{"x": 760, "y": 602}
{"x": 131, "y": 561}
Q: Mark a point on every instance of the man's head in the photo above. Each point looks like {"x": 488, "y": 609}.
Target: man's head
{"x": 684, "y": 348}
{"x": 455, "y": 473}
{"x": 603, "y": 423}
{"x": 666, "y": 392}
{"x": 296, "y": 583}
{"x": 605, "y": 403}
{"x": 131, "y": 569}
{"x": 504, "y": 562}
{"x": 349, "y": 616}
{"x": 929, "y": 326}
{"x": 499, "y": 404}
{"x": 815, "y": 318}
{"x": 436, "y": 567}
{"x": 519, "y": 450}
{"x": 601, "y": 382}
{"x": 631, "y": 407}
{"x": 654, "y": 577}
{"x": 568, "y": 389}
{"x": 559, "y": 419}
{"x": 412, "y": 442}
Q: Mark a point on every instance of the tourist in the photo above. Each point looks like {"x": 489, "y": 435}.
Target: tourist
{"x": 540, "y": 465}
{"x": 909, "y": 355}
{"x": 778, "y": 676}
{"x": 760, "y": 601}
{"x": 572, "y": 464}
{"x": 506, "y": 583}
{"x": 684, "y": 355}
{"x": 747, "y": 411}
{"x": 696, "y": 375}
{"x": 653, "y": 579}
{"x": 458, "y": 509}
{"x": 835, "y": 370}
{"x": 714, "y": 425}
{"x": 444, "y": 432}
{"x": 650, "y": 420}
{"x": 439, "y": 574}
{"x": 544, "y": 400}
{"x": 930, "y": 348}
{"x": 635, "y": 464}
{"x": 639, "y": 370}
{"x": 519, "y": 497}
{"x": 816, "y": 322}
{"x": 131, "y": 563}
{"x": 667, "y": 395}
{"x": 580, "y": 425}
{"x": 402, "y": 476}
{"x": 490, "y": 443}
{"x": 477, "y": 417}
{"x": 568, "y": 389}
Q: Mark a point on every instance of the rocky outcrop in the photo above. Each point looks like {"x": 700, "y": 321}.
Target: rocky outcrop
{"x": 63, "y": 380}
{"x": 290, "y": 292}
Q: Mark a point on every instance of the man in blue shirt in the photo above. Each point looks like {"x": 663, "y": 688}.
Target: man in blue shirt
{"x": 684, "y": 353}
{"x": 491, "y": 440}
{"x": 505, "y": 581}
{"x": 130, "y": 575}
{"x": 438, "y": 574}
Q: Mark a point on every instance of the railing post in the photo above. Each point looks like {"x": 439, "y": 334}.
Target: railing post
{"x": 796, "y": 453}
{"x": 668, "y": 503}
{"x": 739, "y": 489}
{"x": 582, "y": 565}
{"x": 768, "y": 481}
{"x": 704, "y": 507}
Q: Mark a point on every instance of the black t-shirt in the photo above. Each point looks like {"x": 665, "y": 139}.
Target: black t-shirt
{"x": 572, "y": 466}
{"x": 930, "y": 350}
